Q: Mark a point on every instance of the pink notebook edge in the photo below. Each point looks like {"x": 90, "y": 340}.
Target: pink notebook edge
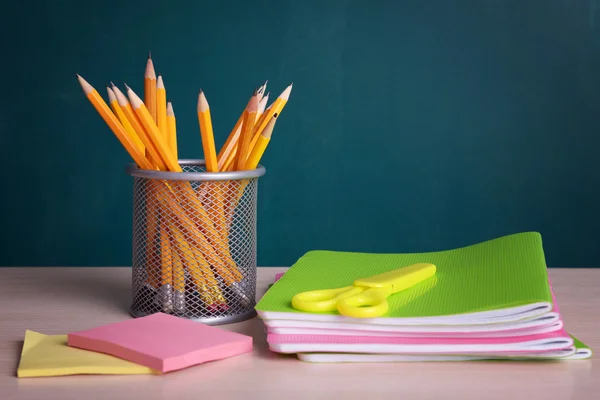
{"x": 343, "y": 339}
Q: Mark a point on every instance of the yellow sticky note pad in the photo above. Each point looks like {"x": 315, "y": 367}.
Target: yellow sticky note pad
{"x": 50, "y": 355}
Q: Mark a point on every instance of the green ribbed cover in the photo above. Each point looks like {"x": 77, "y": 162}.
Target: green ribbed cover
{"x": 579, "y": 344}
{"x": 505, "y": 272}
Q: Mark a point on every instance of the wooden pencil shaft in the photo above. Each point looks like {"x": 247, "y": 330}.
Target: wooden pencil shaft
{"x": 150, "y": 89}
{"x": 152, "y": 130}
{"x": 152, "y": 152}
{"x": 161, "y": 108}
{"x": 114, "y": 124}
{"x": 206, "y": 132}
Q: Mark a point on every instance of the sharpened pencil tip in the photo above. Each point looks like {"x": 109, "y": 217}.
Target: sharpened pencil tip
{"x": 149, "y": 55}
{"x": 255, "y": 93}
{"x": 127, "y": 87}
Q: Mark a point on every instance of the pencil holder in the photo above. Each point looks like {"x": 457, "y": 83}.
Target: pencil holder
{"x": 194, "y": 243}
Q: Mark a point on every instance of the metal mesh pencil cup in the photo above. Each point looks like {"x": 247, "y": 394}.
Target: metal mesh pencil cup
{"x": 194, "y": 243}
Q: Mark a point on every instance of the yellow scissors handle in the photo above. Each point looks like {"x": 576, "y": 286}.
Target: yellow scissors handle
{"x": 371, "y": 303}
{"x": 323, "y": 300}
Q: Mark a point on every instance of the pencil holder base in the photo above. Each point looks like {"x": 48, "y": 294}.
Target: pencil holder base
{"x": 228, "y": 319}
{"x": 194, "y": 243}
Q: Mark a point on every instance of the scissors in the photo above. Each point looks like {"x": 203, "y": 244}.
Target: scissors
{"x": 367, "y": 297}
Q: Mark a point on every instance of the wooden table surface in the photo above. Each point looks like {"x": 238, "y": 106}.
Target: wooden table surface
{"x": 59, "y": 300}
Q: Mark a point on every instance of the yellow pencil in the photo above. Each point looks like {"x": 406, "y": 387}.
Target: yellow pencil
{"x": 136, "y": 154}
{"x": 178, "y": 280}
{"x": 261, "y": 145}
{"x": 115, "y": 125}
{"x": 246, "y": 135}
{"x": 165, "y": 298}
{"x": 274, "y": 108}
{"x": 151, "y": 150}
{"x": 227, "y": 154}
{"x": 186, "y": 195}
{"x": 190, "y": 262}
{"x": 252, "y": 162}
{"x": 157, "y": 138}
{"x": 150, "y": 88}
{"x": 262, "y": 104}
{"x": 112, "y": 98}
{"x": 206, "y": 131}
{"x": 172, "y": 130}
{"x": 161, "y": 107}
{"x": 261, "y": 91}
{"x": 152, "y": 214}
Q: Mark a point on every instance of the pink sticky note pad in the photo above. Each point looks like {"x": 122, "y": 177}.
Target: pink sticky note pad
{"x": 162, "y": 342}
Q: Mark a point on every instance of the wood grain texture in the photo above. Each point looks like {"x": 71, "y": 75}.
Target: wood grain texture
{"x": 59, "y": 300}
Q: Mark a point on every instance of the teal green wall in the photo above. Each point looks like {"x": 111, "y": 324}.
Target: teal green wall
{"x": 413, "y": 125}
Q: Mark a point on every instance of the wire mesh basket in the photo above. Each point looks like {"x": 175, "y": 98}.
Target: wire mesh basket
{"x": 194, "y": 243}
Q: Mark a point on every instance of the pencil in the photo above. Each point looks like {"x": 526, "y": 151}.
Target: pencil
{"x": 261, "y": 144}
{"x": 134, "y": 152}
{"x": 150, "y": 88}
{"x": 275, "y": 108}
{"x": 251, "y": 163}
{"x": 190, "y": 262}
{"x": 206, "y": 131}
{"x": 186, "y": 195}
{"x": 246, "y": 134}
{"x": 262, "y": 104}
{"x": 151, "y": 150}
{"x": 155, "y": 135}
{"x": 261, "y": 91}
{"x": 178, "y": 281}
{"x": 198, "y": 241}
{"x": 227, "y": 153}
{"x": 115, "y": 125}
{"x": 166, "y": 258}
{"x": 161, "y": 107}
{"x": 172, "y": 130}
{"x": 154, "y": 271}
{"x": 228, "y": 163}
{"x": 112, "y": 98}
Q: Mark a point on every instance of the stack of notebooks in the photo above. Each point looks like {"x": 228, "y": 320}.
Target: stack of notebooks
{"x": 491, "y": 300}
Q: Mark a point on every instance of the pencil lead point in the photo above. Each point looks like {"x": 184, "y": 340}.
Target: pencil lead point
{"x": 112, "y": 84}
{"x": 201, "y": 91}
{"x": 127, "y": 87}
{"x": 255, "y": 92}
{"x": 149, "y": 55}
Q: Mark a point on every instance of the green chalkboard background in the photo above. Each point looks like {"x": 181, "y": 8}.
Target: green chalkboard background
{"x": 412, "y": 126}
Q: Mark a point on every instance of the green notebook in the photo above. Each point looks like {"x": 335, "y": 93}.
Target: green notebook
{"x": 582, "y": 350}
{"x": 497, "y": 281}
